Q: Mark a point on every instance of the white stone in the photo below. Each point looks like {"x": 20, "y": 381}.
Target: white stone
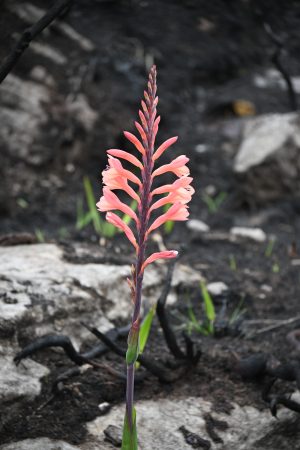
{"x": 265, "y": 135}
{"x": 158, "y": 422}
{"x": 39, "y": 444}
{"x": 255, "y": 234}
{"x": 81, "y": 110}
{"x": 201, "y": 148}
{"x": 53, "y": 295}
{"x": 197, "y": 226}
{"x": 217, "y": 288}
{"x": 42, "y": 293}
{"x": 22, "y": 382}
{"x": 48, "y": 52}
{"x": 266, "y": 288}
{"x": 272, "y": 78}
{"x": 22, "y": 114}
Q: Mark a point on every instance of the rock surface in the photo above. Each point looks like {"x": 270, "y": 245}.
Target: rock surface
{"x": 268, "y": 160}
{"x": 244, "y": 428}
{"x": 41, "y": 293}
{"x": 28, "y": 106}
{"x": 38, "y": 444}
{"x": 22, "y": 382}
{"x": 255, "y": 234}
{"x": 51, "y": 294}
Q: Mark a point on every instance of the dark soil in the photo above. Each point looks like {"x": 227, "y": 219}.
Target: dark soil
{"x": 207, "y": 54}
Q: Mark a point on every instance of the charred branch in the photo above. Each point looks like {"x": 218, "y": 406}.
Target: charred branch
{"x": 58, "y": 8}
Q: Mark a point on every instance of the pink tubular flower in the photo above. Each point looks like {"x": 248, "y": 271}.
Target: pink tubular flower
{"x": 177, "y": 194}
{"x": 177, "y": 211}
{"x": 119, "y": 223}
{"x": 109, "y": 202}
{"x": 176, "y": 166}
{"x": 160, "y": 255}
{"x": 116, "y": 177}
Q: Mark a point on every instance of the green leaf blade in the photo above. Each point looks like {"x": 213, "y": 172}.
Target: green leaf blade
{"x": 129, "y": 441}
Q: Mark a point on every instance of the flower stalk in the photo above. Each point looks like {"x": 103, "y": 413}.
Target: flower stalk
{"x": 178, "y": 194}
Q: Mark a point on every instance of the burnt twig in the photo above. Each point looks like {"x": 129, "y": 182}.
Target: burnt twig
{"x": 257, "y": 366}
{"x": 150, "y": 365}
{"x": 65, "y": 343}
{"x": 169, "y": 335}
{"x": 293, "y": 337}
{"x": 163, "y": 319}
{"x": 61, "y": 341}
{"x": 276, "y": 59}
{"x": 59, "y": 7}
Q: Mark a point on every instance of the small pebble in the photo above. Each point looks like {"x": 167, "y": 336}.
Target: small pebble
{"x": 266, "y": 288}
{"x": 201, "y": 148}
{"x": 217, "y": 288}
{"x": 197, "y": 226}
{"x": 113, "y": 435}
{"x": 104, "y": 407}
{"x": 256, "y": 234}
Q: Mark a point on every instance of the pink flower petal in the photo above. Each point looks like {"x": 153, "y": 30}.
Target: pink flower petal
{"x": 113, "y": 180}
{"x": 109, "y": 202}
{"x": 176, "y": 212}
{"x": 119, "y": 223}
{"x": 141, "y": 131}
{"x": 176, "y": 166}
{"x": 181, "y": 195}
{"x": 145, "y": 109}
{"x": 143, "y": 120}
{"x": 147, "y": 97}
{"x": 181, "y": 182}
{"x": 155, "y": 129}
{"x": 159, "y": 255}
{"x": 125, "y": 155}
{"x": 135, "y": 141}
{"x": 115, "y": 164}
{"x": 164, "y": 147}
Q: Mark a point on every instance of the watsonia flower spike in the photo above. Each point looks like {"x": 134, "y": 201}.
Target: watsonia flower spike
{"x": 178, "y": 194}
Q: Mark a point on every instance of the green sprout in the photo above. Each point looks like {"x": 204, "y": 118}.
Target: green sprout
{"x": 22, "y": 203}
{"x": 145, "y": 331}
{"x": 205, "y": 327}
{"x": 213, "y": 203}
{"x": 276, "y": 267}
{"x": 101, "y": 227}
{"x": 63, "y": 233}
{"x": 39, "y": 235}
{"x": 270, "y": 247}
{"x": 232, "y": 263}
{"x": 169, "y": 225}
{"x": 238, "y": 312}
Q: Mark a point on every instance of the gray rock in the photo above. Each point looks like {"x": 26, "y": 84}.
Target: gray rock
{"x": 53, "y": 295}
{"x": 22, "y": 115}
{"x": 255, "y": 234}
{"x": 31, "y": 13}
{"x": 197, "y": 226}
{"x": 39, "y": 444}
{"x": 41, "y": 293}
{"x": 267, "y": 163}
{"x": 159, "y": 421}
{"x": 20, "y": 382}
{"x": 28, "y": 106}
{"x": 217, "y": 288}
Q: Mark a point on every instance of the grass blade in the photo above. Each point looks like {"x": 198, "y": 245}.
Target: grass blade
{"x": 91, "y": 201}
{"x": 209, "y": 306}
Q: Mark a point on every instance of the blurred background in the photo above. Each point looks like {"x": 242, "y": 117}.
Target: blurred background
{"x": 229, "y": 86}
